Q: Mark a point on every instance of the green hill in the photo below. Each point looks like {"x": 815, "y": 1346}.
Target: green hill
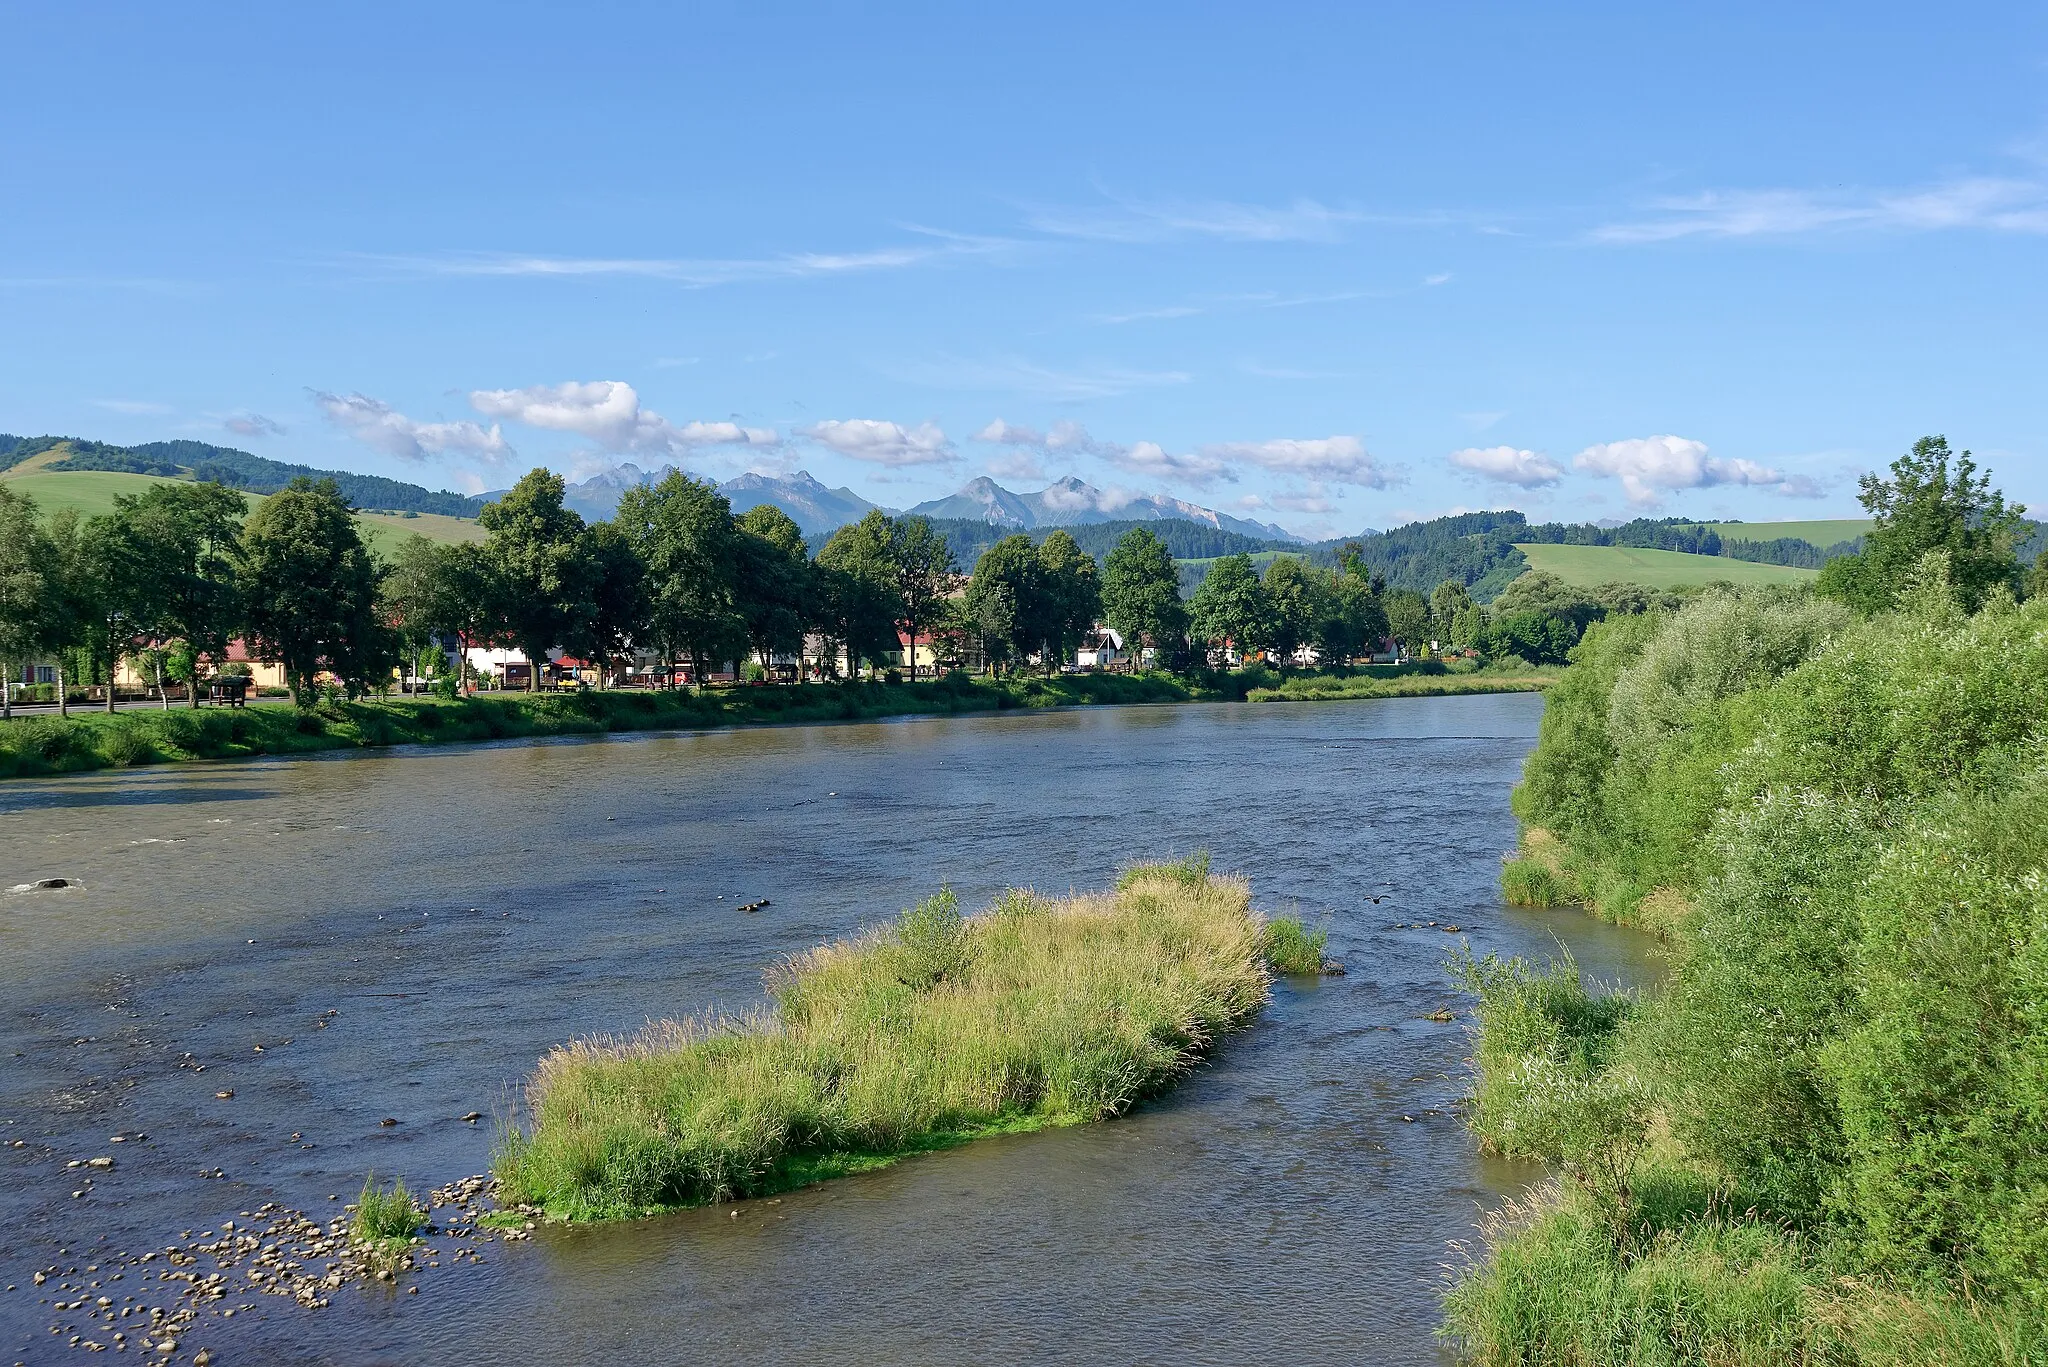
{"x": 92, "y": 492}
{"x": 1585, "y": 566}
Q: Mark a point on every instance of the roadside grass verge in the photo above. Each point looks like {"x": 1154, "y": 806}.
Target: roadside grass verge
{"x": 927, "y": 1033}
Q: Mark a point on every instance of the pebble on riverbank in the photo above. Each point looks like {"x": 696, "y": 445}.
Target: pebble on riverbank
{"x": 279, "y": 1252}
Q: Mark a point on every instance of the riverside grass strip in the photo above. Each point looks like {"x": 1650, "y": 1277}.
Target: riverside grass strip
{"x": 928, "y": 1033}
{"x": 33, "y": 746}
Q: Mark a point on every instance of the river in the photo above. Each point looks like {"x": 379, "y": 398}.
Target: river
{"x": 459, "y": 910}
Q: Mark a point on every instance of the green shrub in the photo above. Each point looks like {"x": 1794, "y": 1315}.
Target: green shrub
{"x": 124, "y": 743}
{"x": 1845, "y": 826}
{"x": 933, "y": 936}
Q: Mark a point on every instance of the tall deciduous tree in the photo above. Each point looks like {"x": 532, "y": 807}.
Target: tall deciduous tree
{"x": 925, "y": 576}
{"x": 683, "y": 532}
{"x": 1299, "y": 599}
{"x": 27, "y": 591}
{"x": 1408, "y": 618}
{"x": 472, "y": 598}
{"x": 1072, "y": 596}
{"x": 536, "y": 546}
{"x": 188, "y": 536}
{"x": 1006, "y": 598}
{"x": 69, "y": 604}
{"x": 1934, "y": 500}
{"x": 859, "y": 567}
{"x": 310, "y": 589}
{"x": 777, "y": 585}
{"x": 618, "y": 599}
{"x": 125, "y": 602}
{"x": 416, "y": 595}
{"x": 1141, "y": 594}
{"x": 1230, "y": 605}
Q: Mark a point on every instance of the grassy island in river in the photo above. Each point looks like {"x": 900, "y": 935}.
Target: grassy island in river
{"x": 930, "y": 1032}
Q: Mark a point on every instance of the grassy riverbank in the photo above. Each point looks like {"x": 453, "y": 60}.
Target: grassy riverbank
{"x": 1824, "y": 1138}
{"x": 928, "y": 1033}
{"x": 96, "y": 740}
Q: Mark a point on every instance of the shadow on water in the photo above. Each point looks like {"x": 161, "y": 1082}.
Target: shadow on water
{"x": 461, "y": 911}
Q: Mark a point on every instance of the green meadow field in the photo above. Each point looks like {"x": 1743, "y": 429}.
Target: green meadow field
{"x": 1585, "y": 566}
{"x": 92, "y": 492}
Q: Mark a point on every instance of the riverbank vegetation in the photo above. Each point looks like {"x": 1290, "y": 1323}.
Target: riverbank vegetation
{"x": 96, "y": 740}
{"x": 1824, "y": 1139}
{"x": 926, "y": 1033}
{"x": 42, "y": 745}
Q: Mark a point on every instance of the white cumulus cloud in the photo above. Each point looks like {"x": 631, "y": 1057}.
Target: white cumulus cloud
{"x": 1649, "y": 467}
{"x": 609, "y": 413}
{"x": 377, "y": 424}
{"x": 882, "y": 442}
{"x": 1509, "y": 465}
{"x": 1010, "y": 434}
{"x": 1339, "y": 459}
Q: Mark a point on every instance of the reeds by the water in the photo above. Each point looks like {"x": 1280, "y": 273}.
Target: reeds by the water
{"x": 932, "y": 1031}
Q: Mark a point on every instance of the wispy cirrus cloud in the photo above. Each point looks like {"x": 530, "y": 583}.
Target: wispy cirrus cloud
{"x": 253, "y": 425}
{"x": 135, "y": 407}
{"x": 691, "y": 272}
{"x": 1982, "y": 203}
{"x": 1017, "y": 376}
{"x": 1122, "y": 219}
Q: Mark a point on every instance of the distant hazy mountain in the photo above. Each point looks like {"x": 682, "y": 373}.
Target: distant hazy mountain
{"x": 1072, "y": 502}
{"x": 982, "y": 500}
{"x": 814, "y": 507}
{"x": 597, "y": 498}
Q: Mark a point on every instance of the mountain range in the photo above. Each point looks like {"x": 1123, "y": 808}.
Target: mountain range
{"x": 1071, "y": 502}
{"x": 820, "y": 510}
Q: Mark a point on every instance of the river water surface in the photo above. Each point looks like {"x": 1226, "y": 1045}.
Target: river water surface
{"x": 462, "y": 909}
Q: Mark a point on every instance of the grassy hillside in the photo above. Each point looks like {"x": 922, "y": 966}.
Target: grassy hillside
{"x": 1822, "y": 534}
{"x": 1585, "y": 566}
{"x": 92, "y": 492}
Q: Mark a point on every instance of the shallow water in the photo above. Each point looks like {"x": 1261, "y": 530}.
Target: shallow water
{"x": 464, "y": 909}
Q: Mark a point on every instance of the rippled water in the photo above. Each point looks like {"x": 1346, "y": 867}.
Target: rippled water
{"x": 464, "y": 909}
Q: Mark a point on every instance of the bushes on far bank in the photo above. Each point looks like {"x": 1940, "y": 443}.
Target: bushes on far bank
{"x": 923, "y": 1034}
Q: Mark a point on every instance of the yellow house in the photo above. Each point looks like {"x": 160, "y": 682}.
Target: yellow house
{"x": 262, "y": 673}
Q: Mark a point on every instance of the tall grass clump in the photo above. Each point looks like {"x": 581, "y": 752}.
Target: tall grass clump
{"x": 1291, "y": 947}
{"x": 925, "y": 1033}
{"x": 384, "y": 1214}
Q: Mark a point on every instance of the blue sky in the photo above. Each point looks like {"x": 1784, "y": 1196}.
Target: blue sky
{"x": 1327, "y": 266}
